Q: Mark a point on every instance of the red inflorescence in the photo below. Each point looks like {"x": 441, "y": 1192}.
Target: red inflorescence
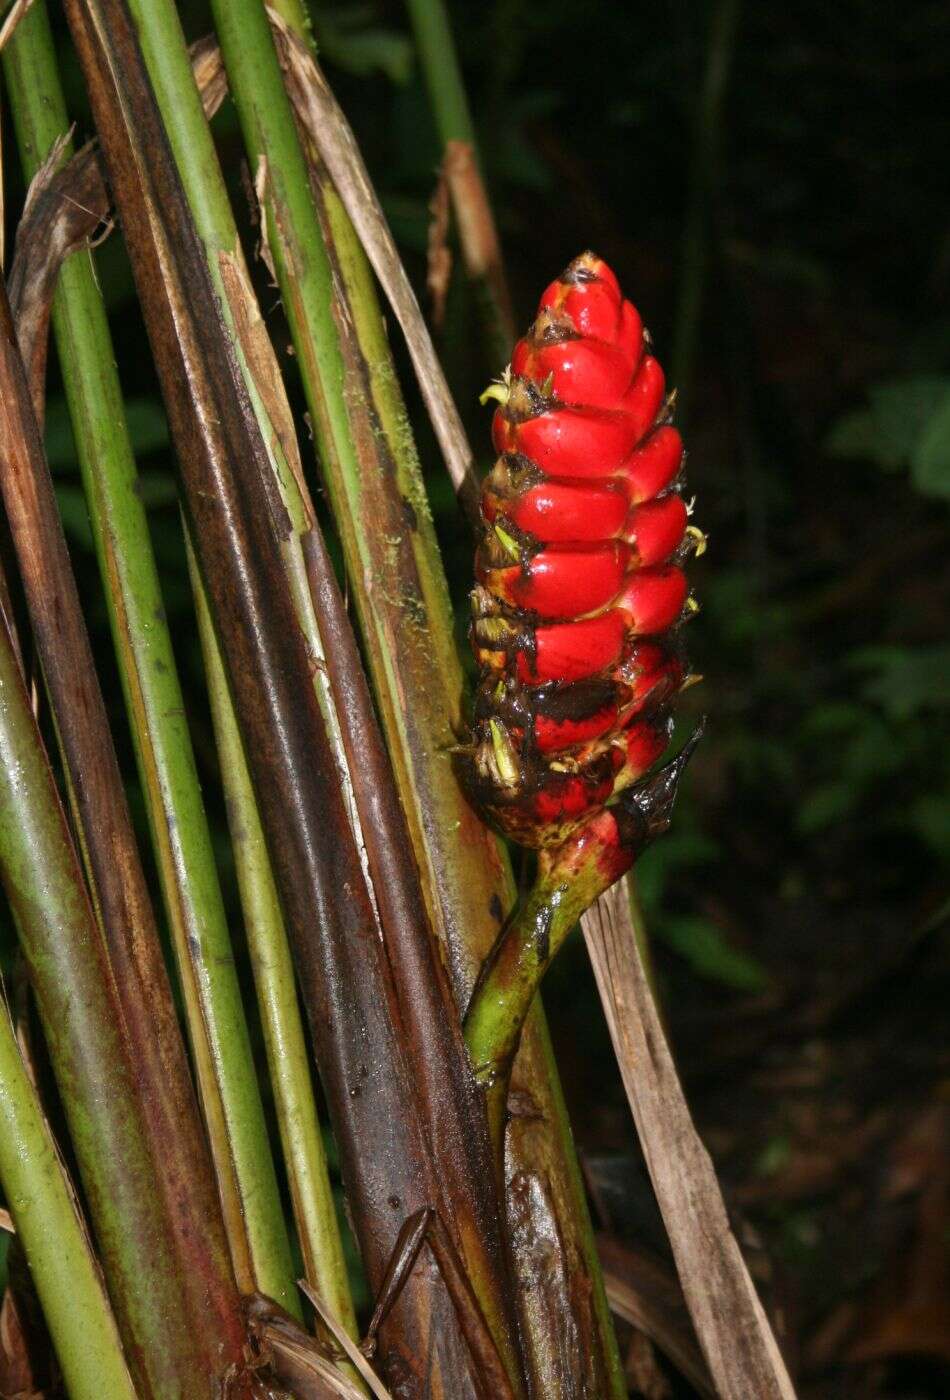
{"x": 580, "y": 585}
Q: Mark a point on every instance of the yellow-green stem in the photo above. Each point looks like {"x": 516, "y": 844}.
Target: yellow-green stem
{"x": 272, "y": 966}
{"x": 166, "y": 57}
{"x": 57, "y": 1248}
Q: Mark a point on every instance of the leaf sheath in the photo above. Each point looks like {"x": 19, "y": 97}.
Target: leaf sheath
{"x": 195, "y": 1257}
{"x": 347, "y": 986}
{"x": 217, "y": 1028}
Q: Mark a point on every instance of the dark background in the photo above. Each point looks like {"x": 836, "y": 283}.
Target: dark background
{"x": 799, "y": 908}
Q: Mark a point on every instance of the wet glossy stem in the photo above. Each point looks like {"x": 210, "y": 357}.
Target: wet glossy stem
{"x": 404, "y": 611}
{"x": 311, "y": 871}
{"x": 397, "y": 580}
{"x": 54, "y": 1238}
{"x": 503, "y": 996}
{"x": 569, "y": 879}
{"x": 75, "y": 991}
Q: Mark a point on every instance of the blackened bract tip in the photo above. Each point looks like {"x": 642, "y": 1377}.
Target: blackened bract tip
{"x": 655, "y": 797}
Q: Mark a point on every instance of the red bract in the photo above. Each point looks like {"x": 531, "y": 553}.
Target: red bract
{"x": 579, "y": 568}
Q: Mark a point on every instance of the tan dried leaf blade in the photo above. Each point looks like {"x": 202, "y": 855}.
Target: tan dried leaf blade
{"x": 65, "y": 204}
{"x": 262, "y": 363}
{"x": 733, "y": 1331}
{"x": 346, "y": 1343}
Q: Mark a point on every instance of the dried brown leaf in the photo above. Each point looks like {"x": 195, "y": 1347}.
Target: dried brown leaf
{"x": 263, "y": 367}
{"x": 438, "y": 253}
{"x": 336, "y": 1328}
{"x": 260, "y": 194}
{"x": 210, "y": 77}
{"x": 295, "y": 1357}
{"x": 17, "y": 1377}
{"x": 647, "y": 1294}
{"x": 478, "y": 234}
{"x": 64, "y": 206}
{"x": 730, "y": 1322}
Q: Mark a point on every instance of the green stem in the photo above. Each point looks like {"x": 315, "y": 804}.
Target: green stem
{"x": 83, "y": 1026}
{"x": 481, "y": 249}
{"x": 305, "y": 275}
{"x": 55, "y": 1242}
{"x": 272, "y": 966}
{"x": 568, "y": 881}
{"x": 703, "y": 177}
{"x": 570, "y": 878}
{"x": 217, "y": 1027}
{"x": 291, "y": 227}
{"x": 440, "y": 66}
{"x": 166, "y": 57}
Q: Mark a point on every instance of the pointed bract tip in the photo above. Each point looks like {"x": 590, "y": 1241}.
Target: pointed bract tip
{"x": 648, "y": 805}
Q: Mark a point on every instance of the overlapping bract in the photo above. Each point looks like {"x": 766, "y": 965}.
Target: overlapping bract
{"x": 579, "y": 572}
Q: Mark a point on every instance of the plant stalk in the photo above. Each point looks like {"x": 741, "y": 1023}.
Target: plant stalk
{"x": 349, "y": 986}
{"x": 194, "y": 1251}
{"x": 83, "y": 1025}
{"x": 440, "y": 66}
{"x": 57, "y": 1247}
{"x": 170, "y": 71}
{"x": 568, "y": 881}
{"x": 272, "y": 967}
{"x": 220, "y": 1043}
{"x": 396, "y": 577}
{"x": 304, "y": 272}
{"x": 704, "y": 174}
{"x": 461, "y": 170}
{"x": 570, "y": 878}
